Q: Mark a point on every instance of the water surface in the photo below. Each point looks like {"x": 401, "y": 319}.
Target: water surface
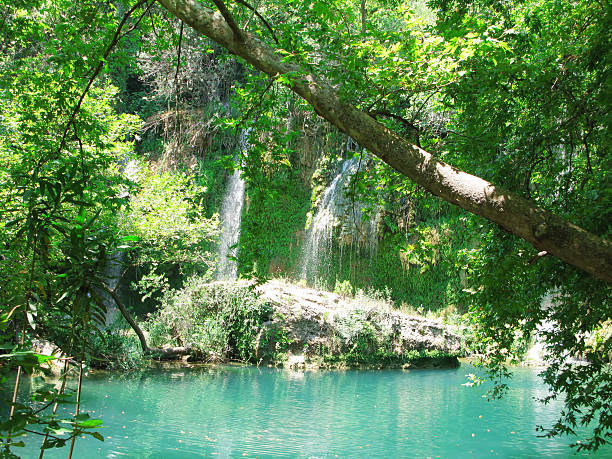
{"x": 262, "y": 412}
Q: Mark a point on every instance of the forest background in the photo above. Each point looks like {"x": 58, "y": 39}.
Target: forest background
{"x": 518, "y": 93}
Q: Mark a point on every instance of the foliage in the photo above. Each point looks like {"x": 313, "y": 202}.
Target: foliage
{"x": 269, "y": 243}
{"x": 361, "y": 343}
{"x": 117, "y": 349}
{"x": 275, "y": 341}
{"x": 343, "y": 288}
{"x": 535, "y": 117}
{"x": 60, "y": 151}
{"x": 173, "y": 236}
{"x": 218, "y": 321}
{"x": 516, "y": 92}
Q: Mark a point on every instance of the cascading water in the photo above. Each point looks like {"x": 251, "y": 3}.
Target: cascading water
{"x": 114, "y": 263}
{"x": 231, "y": 215}
{"x": 537, "y": 352}
{"x": 112, "y": 276}
{"x": 334, "y": 209}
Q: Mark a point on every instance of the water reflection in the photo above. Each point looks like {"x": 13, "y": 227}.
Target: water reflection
{"x": 261, "y": 412}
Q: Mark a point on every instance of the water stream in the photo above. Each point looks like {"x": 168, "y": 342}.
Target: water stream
{"x": 537, "y": 352}
{"x": 337, "y": 211}
{"x": 115, "y": 262}
{"x": 231, "y": 215}
{"x": 113, "y": 270}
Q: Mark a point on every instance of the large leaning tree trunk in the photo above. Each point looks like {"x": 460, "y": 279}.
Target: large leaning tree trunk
{"x": 542, "y": 229}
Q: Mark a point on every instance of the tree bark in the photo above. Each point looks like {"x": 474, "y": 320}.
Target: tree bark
{"x": 126, "y": 315}
{"x": 169, "y": 353}
{"x": 363, "y": 16}
{"x": 542, "y": 229}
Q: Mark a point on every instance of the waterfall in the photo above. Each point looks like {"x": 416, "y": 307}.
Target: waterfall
{"x": 231, "y": 214}
{"x": 114, "y": 263}
{"x": 113, "y": 268}
{"x": 537, "y": 352}
{"x": 337, "y": 211}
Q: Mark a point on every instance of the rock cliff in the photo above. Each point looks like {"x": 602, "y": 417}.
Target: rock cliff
{"x": 316, "y": 328}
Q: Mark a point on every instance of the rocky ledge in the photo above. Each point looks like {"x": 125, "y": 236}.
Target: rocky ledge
{"x": 311, "y": 328}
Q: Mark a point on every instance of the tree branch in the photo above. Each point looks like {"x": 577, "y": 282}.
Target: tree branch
{"x": 126, "y": 315}
{"x": 254, "y": 106}
{"x": 230, "y": 20}
{"x": 402, "y": 120}
{"x": 159, "y": 353}
{"x": 118, "y": 36}
{"x": 261, "y": 18}
{"x": 178, "y": 57}
{"x": 541, "y": 228}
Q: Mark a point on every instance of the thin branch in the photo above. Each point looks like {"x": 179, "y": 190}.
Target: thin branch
{"x": 402, "y": 120}
{"x": 536, "y": 257}
{"x": 137, "y": 23}
{"x": 363, "y": 16}
{"x": 56, "y": 404}
{"x": 98, "y": 69}
{"x": 81, "y": 151}
{"x": 128, "y": 318}
{"x": 261, "y": 18}
{"x": 230, "y": 20}
{"x": 176, "y": 83}
{"x": 152, "y": 23}
{"x": 422, "y": 105}
{"x": 259, "y": 102}
{"x": 41, "y": 434}
{"x": 383, "y": 94}
{"x": 388, "y": 114}
{"x": 44, "y": 407}
{"x": 587, "y": 152}
{"x": 78, "y": 402}
{"x": 178, "y": 56}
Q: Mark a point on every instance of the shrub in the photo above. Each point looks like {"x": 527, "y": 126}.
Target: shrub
{"x": 116, "y": 349}
{"x": 220, "y": 319}
{"x": 343, "y": 288}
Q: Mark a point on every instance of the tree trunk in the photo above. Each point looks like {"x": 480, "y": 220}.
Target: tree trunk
{"x": 544, "y": 230}
{"x": 126, "y": 315}
{"x": 169, "y": 353}
{"x": 363, "y": 16}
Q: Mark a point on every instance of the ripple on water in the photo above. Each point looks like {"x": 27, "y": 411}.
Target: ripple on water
{"x": 251, "y": 412}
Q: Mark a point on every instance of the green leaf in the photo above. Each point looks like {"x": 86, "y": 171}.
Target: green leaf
{"x": 130, "y": 238}
{"x": 90, "y": 424}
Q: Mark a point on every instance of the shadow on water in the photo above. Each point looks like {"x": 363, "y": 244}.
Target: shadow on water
{"x": 236, "y": 411}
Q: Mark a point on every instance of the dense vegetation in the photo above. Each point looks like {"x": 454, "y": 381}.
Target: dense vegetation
{"x": 120, "y": 126}
{"x": 220, "y": 321}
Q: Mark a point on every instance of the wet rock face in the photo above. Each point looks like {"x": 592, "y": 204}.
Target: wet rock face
{"x": 315, "y": 326}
